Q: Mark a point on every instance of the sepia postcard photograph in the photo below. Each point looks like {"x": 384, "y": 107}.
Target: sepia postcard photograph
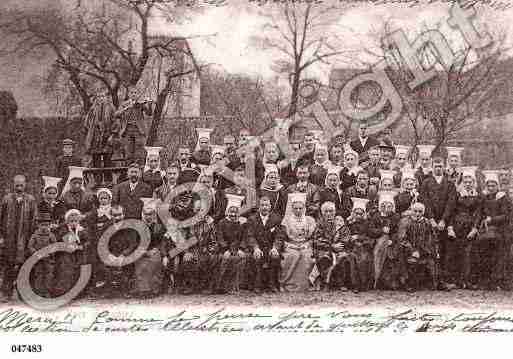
{"x": 293, "y": 177}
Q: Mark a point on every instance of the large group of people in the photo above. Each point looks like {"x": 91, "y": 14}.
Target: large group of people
{"x": 331, "y": 215}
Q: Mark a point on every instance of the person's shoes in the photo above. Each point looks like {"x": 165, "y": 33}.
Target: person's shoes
{"x": 410, "y": 290}
{"x": 355, "y": 290}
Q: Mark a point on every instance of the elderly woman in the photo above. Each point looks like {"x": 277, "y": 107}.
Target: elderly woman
{"x": 463, "y": 225}
{"x": 362, "y": 243}
{"x": 231, "y": 247}
{"x": 383, "y": 226}
{"x": 297, "y": 252}
{"x": 77, "y": 239}
{"x": 418, "y": 252}
{"x": 149, "y": 269}
{"x": 330, "y": 248}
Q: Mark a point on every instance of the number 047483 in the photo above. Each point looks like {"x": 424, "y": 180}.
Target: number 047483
{"x": 26, "y": 348}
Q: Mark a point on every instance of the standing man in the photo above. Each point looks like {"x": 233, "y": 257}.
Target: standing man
{"x": 364, "y": 142}
{"x": 100, "y": 129}
{"x": 17, "y": 223}
{"x": 438, "y": 194}
{"x": 128, "y": 194}
{"x": 265, "y": 237}
{"x": 131, "y": 115}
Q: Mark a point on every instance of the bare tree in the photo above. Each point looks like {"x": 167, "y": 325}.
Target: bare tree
{"x": 107, "y": 42}
{"x": 458, "y": 97}
{"x": 252, "y": 101}
{"x": 302, "y": 35}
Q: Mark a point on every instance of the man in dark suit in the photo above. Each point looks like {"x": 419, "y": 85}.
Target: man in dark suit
{"x": 364, "y": 142}
{"x": 438, "y": 194}
{"x": 129, "y": 193}
{"x": 264, "y": 235}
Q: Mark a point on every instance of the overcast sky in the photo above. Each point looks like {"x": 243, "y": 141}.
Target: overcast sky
{"x": 234, "y": 25}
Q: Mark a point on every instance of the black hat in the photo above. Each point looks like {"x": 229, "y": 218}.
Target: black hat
{"x": 44, "y": 217}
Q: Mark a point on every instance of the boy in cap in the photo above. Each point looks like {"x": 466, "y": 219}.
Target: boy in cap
{"x": 43, "y": 272}
{"x": 64, "y": 161}
{"x": 153, "y": 174}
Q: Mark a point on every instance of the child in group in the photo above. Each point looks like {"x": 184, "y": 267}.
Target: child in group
{"x": 42, "y": 278}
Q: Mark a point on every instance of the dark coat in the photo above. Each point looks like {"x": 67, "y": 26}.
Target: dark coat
{"x": 278, "y": 199}
{"x": 497, "y": 207}
{"x": 265, "y": 237}
{"x": 466, "y": 214}
{"x": 439, "y": 199}
{"x": 131, "y": 200}
{"x": 83, "y": 201}
{"x": 56, "y": 210}
{"x": 318, "y": 175}
{"x": 230, "y": 236}
{"x": 16, "y": 227}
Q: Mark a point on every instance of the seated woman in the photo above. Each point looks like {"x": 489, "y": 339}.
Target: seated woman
{"x": 231, "y": 247}
{"x": 383, "y": 226}
{"x": 362, "y": 243}
{"x": 330, "y": 246}
{"x": 200, "y": 261}
{"x": 149, "y": 269}
{"x": 77, "y": 239}
{"x": 297, "y": 252}
{"x": 418, "y": 252}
